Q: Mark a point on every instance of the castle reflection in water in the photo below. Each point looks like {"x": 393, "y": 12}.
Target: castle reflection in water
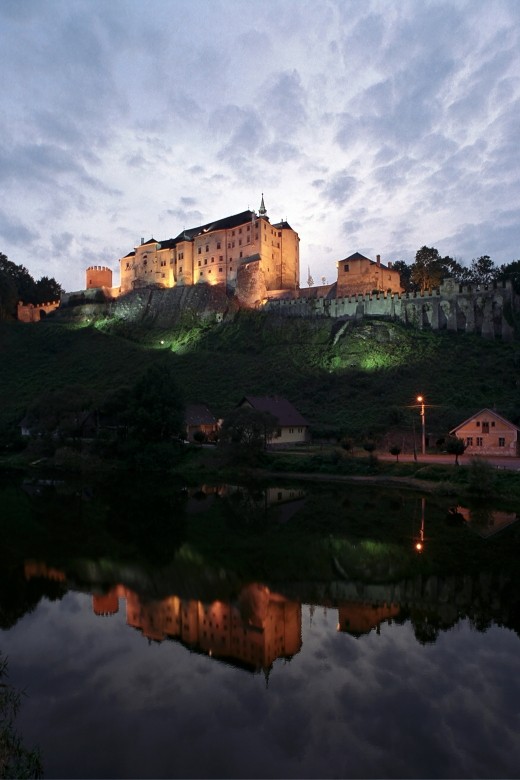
{"x": 252, "y": 631}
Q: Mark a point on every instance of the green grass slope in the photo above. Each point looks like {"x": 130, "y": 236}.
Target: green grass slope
{"x": 360, "y": 379}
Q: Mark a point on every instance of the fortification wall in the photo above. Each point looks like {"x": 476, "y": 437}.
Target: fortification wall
{"x": 28, "y": 312}
{"x": 488, "y": 312}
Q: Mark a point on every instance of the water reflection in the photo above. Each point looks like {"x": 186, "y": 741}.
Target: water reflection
{"x": 483, "y": 520}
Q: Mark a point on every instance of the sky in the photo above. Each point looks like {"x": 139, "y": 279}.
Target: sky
{"x": 377, "y": 126}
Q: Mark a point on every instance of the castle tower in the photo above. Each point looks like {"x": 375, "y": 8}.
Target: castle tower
{"x": 98, "y": 276}
{"x": 262, "y": 211}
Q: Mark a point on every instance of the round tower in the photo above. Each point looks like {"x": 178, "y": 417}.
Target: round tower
{"x": 98, "y": 276}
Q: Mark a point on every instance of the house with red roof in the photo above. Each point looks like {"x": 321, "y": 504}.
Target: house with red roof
{"x": 488, "y": 433}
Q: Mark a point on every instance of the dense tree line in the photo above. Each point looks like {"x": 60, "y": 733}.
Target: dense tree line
{"x": 17, "y": 284}
{"x": 429, "y": 269}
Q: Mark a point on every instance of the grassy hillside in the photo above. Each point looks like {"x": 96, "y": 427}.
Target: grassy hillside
{"x": 359, "y": 379}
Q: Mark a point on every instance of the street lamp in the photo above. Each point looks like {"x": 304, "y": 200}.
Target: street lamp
{"x": 420, "y": 400}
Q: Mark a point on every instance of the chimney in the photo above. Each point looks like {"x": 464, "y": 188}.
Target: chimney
{"x": 378, "y": 258}
{"x": 142, "y": 240}
{"x": 389, "y": 264}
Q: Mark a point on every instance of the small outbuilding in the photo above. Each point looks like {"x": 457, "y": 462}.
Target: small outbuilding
{"x": 293, "y": 428}
{"x": 199, "y": 420}
{"x": 488, "y": 433}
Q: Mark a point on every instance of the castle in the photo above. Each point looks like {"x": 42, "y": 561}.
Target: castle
{"x": 251, "y": 257}
{"x": 243, "y": 260}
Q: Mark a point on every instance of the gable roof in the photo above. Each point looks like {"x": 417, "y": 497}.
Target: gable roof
{"x": 359, "y": 256}
{"x": 487, "y": 412}
{"x": 198, "y": 414}
{"x": 279, "y": 407}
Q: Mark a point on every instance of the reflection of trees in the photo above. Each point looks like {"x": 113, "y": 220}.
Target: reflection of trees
{"x": 15, "y": 759}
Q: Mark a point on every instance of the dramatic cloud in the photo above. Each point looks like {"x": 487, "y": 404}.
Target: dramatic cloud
{"x": 370, "y": 127}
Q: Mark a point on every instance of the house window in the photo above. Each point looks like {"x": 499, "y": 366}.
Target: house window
{"x": 501, "y": 442}
{"x": 492, "y": 423}
{"x": 291, "y": 430}
{"x": 479, "y": 441}
{"x": 345, "y": 267}
{"x": 478, "y": 423}
{"x": 485, "y": 427}
{"x": 469, "y": 441}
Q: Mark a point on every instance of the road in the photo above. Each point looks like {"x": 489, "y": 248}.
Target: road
{"x": 512, "y": 464}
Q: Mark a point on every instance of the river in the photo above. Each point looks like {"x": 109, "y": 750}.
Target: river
{"x": 276, "y": 631}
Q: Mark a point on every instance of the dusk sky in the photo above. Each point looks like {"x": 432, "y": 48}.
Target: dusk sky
{"x": 377, "y": 126}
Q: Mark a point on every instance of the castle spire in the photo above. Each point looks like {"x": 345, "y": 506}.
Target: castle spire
{"x": 262, "y": 211}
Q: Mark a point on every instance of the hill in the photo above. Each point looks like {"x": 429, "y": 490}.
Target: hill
{"x": 357, "y": 378}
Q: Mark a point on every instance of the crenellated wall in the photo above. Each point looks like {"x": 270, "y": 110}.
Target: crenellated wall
{"x": 489, "y": 312}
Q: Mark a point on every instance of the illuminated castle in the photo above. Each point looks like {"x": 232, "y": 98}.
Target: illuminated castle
{"x": 215, "y": 253}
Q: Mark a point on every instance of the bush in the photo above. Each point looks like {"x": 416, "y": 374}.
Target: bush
{"x": 482, "y": 477}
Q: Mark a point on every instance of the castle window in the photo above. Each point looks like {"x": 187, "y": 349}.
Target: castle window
{"x": 205, "y": 261}
{"x": 145, "y": 262}
{"x": 201, "y": 273}
{"x": 345, "y": 267}
{"x": 199, "y": 250}
{"x": 163, "y": 276}
{"x": 239, "y": 230}
{"x": 127, "y": 266}
{"x": 249, "y": 227}
{"x": 230, "y": 267}
{"x": 239, "y": 242}
{"x": 279, "y": 234}
{"x": 229, "y": 245}
{"x": 212, "y": 259}
{"x": 209, "y": 271}
{"x": 180, "y": 270}
{"x": 241, "y": 254}
{"x": 501, "y": 442}
{"x": 232, "y": 232}
{"x": 221, "y": 258}
{"x": 200, "y": 263}
{"x": 207, "y": 247}
{"x": 218, "y": 244}
{"x": 220, "y": 270}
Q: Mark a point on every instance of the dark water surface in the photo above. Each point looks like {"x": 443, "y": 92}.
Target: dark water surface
{"x": 195, "y": 669}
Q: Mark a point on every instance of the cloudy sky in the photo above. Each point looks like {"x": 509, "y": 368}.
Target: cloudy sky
{"x": 375, "y": 126}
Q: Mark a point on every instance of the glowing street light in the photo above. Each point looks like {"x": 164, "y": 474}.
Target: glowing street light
{"x": 420, "y": 399}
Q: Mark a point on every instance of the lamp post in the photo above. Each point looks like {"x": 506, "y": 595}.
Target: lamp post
{"x": 420, "y": 400}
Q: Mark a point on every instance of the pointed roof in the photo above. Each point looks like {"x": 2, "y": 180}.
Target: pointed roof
{"x": 262, "y": 210}
{"x": 489, "y": 412}
{"x": 279, "y": 407}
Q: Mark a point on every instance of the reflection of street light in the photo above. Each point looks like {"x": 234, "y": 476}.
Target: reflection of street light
{"x": 420, "y": 399}
{"x": 419, "y": 542}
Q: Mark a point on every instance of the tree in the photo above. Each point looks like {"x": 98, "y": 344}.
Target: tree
{"x": 455, "y": 446}
{"x": 156, "y": 405}
{"x": 482, "y": 270}
{"x": 247, "y": 432}
{"x": 395, "y": 449}
{"x": 47, "y": 289}
{"x": 405, "y": 272}
{"x": 510, "y": 271}
{"x": 429, "y": 269}
{"x": 369, "y": 445}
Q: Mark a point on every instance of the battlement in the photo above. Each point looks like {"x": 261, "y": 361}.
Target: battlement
{"x": 486, "y": 310}
{"x": 30, "y": 312}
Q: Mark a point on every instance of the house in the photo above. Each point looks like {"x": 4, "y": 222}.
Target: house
{"x": 488, "y": 433}
{"x": 293, "y": 428}
{"x": 199, "y": 420}
{"x": 358, "y": 275}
